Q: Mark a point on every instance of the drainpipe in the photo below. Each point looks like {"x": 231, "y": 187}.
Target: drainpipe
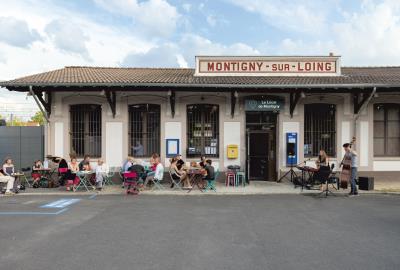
{"x": 361, "y": 109}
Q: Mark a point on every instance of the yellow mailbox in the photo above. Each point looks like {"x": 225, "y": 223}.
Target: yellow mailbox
{"x": 232, "y": 151}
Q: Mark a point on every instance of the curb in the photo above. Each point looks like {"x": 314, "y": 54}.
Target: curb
{"x": 168, "y": 193}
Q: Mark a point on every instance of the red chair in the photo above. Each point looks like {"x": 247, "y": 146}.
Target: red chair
{"x": 130, "y": 182}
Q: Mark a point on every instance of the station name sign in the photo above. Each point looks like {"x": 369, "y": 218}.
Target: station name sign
{"x": 267, "y": 66}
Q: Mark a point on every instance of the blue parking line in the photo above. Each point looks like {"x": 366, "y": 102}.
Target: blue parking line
{"x": 33, "y": 213}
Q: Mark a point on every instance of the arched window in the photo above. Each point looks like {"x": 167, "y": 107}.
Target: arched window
{"x": 387, "y": 130}
{"x": 202, "y": 130}
{"x": 319, "y": 129}
{"x": 85, "y": 130}
{"x": 144, "y": 129}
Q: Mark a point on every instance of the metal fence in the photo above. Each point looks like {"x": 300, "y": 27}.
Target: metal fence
{"x": 22, "y": 144}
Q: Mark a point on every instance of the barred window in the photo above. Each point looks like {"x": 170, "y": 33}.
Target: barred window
{"x": 85, "y": 130}
{"x": 319, "y": 129}
{"x": 202, "y": 130}
{"x": 144, "y": 129}
{"x": 387, "y": 130}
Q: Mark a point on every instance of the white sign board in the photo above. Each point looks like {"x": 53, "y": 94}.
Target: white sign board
{"x": 267, "y": 66}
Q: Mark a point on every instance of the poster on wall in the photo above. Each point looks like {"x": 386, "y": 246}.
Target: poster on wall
{"x": 172, "y": 147}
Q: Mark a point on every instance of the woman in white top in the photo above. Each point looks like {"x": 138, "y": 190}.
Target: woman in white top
{"x": 158, "y": 173}
{"x": 101, "y": 173}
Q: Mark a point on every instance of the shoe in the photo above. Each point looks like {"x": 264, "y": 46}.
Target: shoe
{"x": 9, "y": 193}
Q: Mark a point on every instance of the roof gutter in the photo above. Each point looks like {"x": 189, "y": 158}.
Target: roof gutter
{"x": 188, "y": 85}
{"x": 38, "y": 103}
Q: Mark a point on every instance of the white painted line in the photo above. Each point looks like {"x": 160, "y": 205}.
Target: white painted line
{"x": 60, "y": 203}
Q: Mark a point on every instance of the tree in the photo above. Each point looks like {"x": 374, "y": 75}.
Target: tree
{"x": 16, "y": 121}
{"x": 38, "y": 118}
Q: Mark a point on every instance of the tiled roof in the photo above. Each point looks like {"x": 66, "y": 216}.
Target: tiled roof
{"x": 70, "y": 76}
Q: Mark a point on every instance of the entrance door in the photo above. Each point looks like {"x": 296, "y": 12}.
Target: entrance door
{"x": 261, "y": 145}
{"x": 257, "y": 156}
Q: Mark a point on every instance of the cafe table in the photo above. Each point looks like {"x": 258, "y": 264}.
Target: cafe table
{"x": 195, "y": 178}
{"x": 84, "y": 177}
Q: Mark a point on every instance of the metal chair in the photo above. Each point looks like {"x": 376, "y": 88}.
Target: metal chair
{"x": 84, "y": 181}
{"x": 240, "y": 177}
{"x": 24, "y": 178}
{"x": 176, "y": 184}
{"x": 109, "y": 176}
{"x": 157, "y": 182}
{"x": 230, "y": 178}
{"x": 211, "y": 182}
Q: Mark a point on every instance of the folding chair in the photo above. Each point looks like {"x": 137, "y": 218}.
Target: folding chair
{"x": 84, "y": 181}
{"x": 24, "y": 178}
{"x": 211, "y": 182}
{"x": 176, "y": 184}
{"x": 157, "y": 183}
{"x": 109, "y": 176}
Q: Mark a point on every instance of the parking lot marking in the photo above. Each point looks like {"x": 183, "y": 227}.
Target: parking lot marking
{"x": 33, "y": 213}
{"x": 93, "y": 196}
{"x": 60, "y": 203}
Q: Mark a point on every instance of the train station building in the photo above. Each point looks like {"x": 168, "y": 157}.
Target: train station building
{"x": 244, "y": 111}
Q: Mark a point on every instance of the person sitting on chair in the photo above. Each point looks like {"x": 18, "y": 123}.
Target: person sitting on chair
{"x": 159, "y": 172}
{"x": 37, "y": 166}
{"x": 84, "y": 165}
{"x": 179, "y": 174}
{"x": 202, "y": 162}
{"x": 101, "y": 173}
{"x": 10, "y": 182}
{"x": 8, "y": 167}
{"x": 179, "y": 162}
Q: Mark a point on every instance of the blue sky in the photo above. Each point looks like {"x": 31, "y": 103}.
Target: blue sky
{"x": 37, "y": 36}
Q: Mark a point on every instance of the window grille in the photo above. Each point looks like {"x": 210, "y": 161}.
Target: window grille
{"x": 144, "y": 129}
{"x": 202, "y": 130}
{"x": 387, "y": 130}
{"x": 85, "y": 130}
{"x": 319, "y": 129}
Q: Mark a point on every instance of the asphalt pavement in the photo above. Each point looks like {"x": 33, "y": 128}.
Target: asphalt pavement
{"x": 200, "y": 232}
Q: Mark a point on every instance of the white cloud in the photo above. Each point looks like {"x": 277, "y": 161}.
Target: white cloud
{"x": 182, "y": 53}
{"x": 300, "y": 16}
{"x": 157, "y": 17}
{"x": 16, "y": 32}
{"x": 68, "y": 37}
{"x": 187, "y": 7}
{"x": 372, "y": 35}
{"x": 106, "y": 45}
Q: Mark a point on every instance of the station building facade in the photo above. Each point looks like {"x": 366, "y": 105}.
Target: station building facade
{"x": 244, "y": 111}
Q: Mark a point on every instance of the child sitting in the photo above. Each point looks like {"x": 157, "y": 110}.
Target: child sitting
{"x": 36, "y": 175}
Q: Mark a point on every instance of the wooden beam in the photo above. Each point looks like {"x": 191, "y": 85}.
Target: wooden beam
{"x": 111, "y": 99}
{"x": 294, "y": 99}
{"x": 233, "y": 103}
{"x": 172, "y": 98}
{"x": 46, "y": 104}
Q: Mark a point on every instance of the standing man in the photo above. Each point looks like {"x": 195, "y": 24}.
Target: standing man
{"x": 352, "y": 155}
